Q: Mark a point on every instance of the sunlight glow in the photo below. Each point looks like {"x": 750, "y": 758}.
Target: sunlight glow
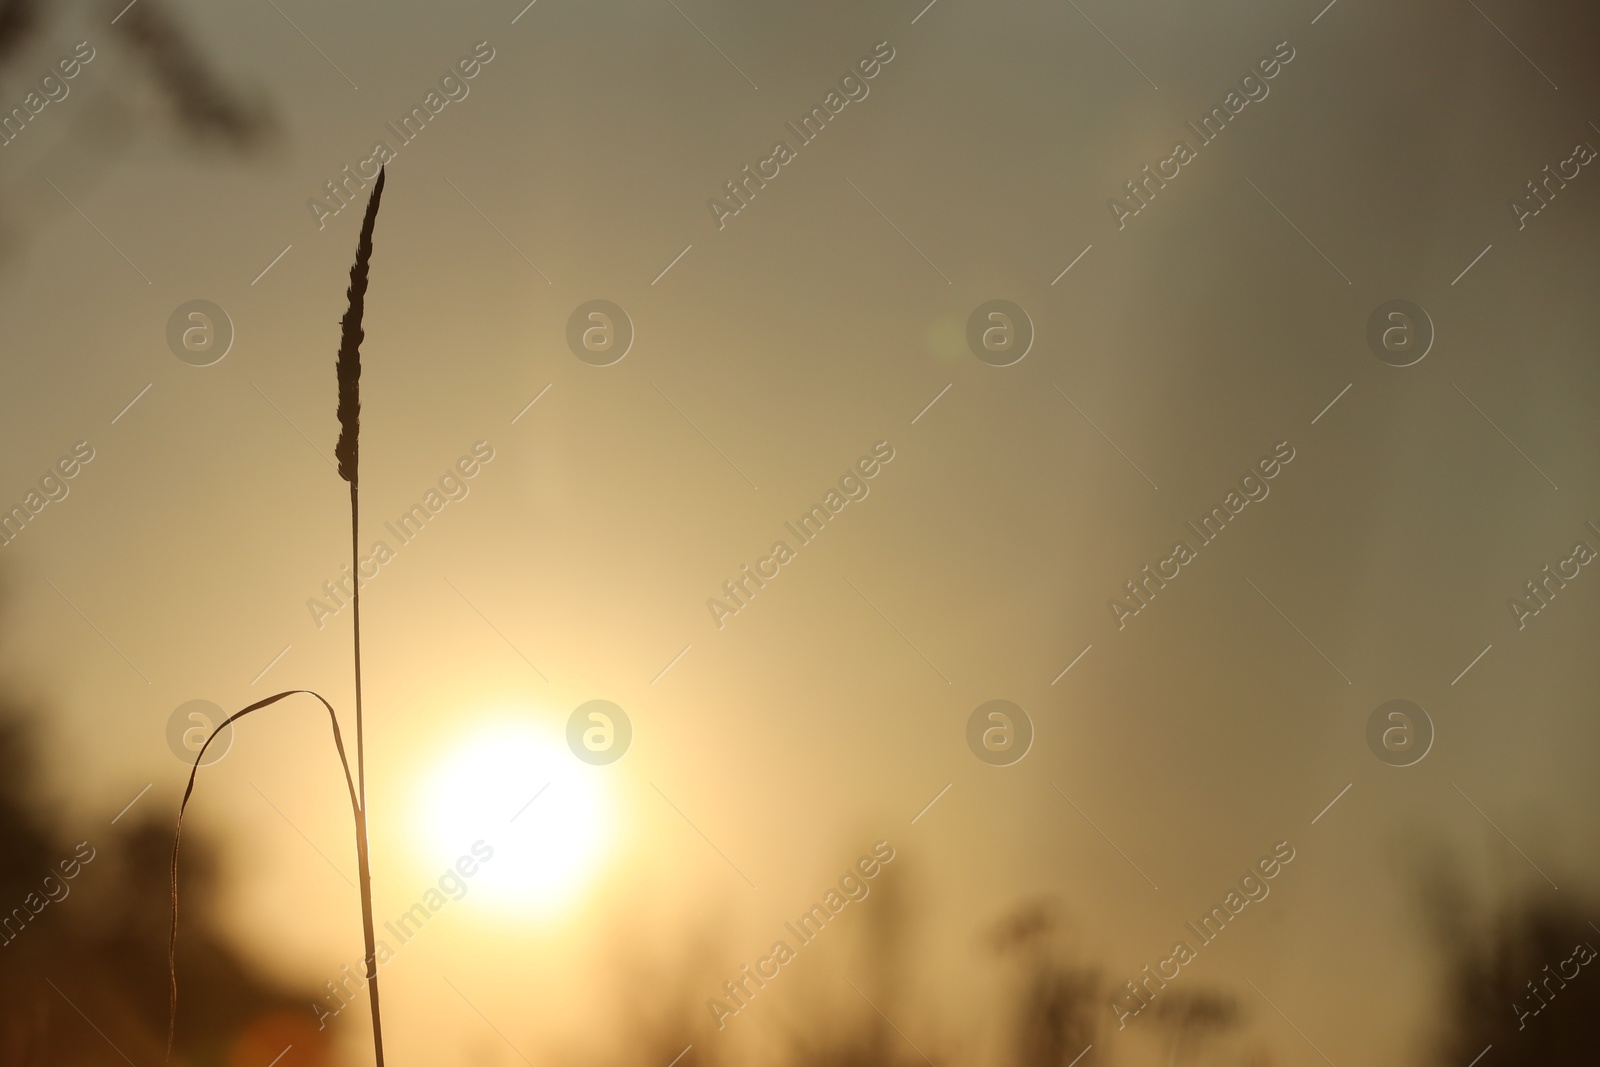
{"x": 523, "y": 794}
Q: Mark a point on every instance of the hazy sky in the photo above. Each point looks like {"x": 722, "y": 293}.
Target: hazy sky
{"x": 1173, "y": 351}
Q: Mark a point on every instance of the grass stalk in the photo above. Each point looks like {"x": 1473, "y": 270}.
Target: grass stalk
{"x": 347, "y": 451}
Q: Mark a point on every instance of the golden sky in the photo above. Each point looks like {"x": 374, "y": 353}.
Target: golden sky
{"x": 1174, "y": 352}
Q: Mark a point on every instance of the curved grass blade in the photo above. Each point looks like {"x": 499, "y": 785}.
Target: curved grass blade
{"x": 338, "y": 741}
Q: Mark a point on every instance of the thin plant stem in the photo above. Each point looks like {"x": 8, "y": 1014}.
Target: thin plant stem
{"x": 347, "y": 450}
{"x": 364, "y": 866}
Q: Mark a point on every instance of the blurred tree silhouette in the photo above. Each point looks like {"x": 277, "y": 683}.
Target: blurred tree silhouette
{"x": 1518, "y": 983}
{"x": 1506, "y": 976}
{"x": 84, "y": 979}
{"x": 1059, "y": 1009}
{"x": 170, "y": 79}
{"x": 860, "y": 1036}
{"x": 1063, "y": 1003}
{"x": 1193, "y": 1016}
{"x": 206, "y": 107}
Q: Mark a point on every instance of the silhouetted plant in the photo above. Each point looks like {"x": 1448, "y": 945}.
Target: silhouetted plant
{"x": 1058, "y": 1010}
{"x": 1191, "y": 1017}
{"x": 347, "y": 451}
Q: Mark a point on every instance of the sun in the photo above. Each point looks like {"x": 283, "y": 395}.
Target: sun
{"x": 523, "y": 795}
